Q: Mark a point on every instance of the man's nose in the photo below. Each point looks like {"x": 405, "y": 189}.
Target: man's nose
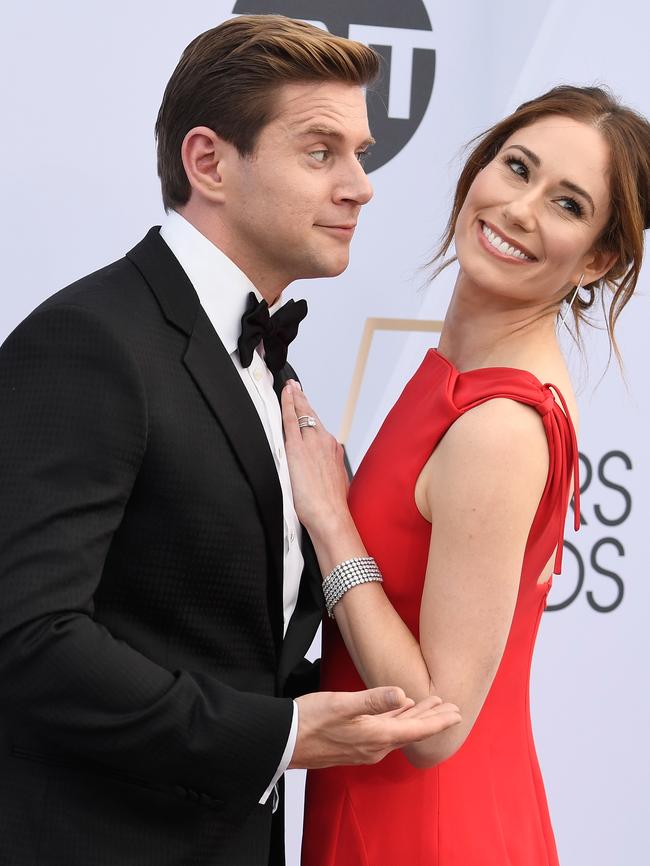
{"x": 355, "y": 185}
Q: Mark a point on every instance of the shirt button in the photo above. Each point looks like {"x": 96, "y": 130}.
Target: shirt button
{"x": 292, "y": 537}
{"x": 257, "y": 375}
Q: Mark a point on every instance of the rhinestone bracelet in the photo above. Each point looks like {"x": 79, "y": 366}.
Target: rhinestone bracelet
{"x": 352, "y": 572}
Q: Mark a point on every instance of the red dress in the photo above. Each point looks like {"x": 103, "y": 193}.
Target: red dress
{"x": 485, "y": 806}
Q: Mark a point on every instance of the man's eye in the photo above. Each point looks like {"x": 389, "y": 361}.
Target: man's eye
{"x": 362, "y": 156}
{"x": 320, "y": 155}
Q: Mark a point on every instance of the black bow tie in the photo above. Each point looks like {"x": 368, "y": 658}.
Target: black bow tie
{"x": 277, "y": 331}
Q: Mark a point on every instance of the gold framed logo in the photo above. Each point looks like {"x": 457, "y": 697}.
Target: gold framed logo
{"x": 371, "y": 327}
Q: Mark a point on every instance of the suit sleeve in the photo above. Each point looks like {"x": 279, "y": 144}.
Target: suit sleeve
{"x": 73, "y": 430}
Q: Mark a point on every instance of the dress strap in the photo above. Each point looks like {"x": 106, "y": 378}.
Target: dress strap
{"x": 564, "y": 428}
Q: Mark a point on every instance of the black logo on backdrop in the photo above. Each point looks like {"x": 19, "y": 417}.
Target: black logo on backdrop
{"x": 596, "y": 572}
{"x": 398, "y": 32}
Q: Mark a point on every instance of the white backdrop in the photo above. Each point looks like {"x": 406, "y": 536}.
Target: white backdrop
{"x": 81, "y": 84}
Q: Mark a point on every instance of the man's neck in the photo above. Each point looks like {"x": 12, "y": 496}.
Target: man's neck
{"x": 212, "y": 227}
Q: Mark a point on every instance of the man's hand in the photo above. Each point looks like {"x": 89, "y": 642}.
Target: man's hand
{"x": 363, "y": 727}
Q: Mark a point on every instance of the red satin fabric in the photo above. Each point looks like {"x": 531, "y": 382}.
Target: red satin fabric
{"x": 486, "y": 805}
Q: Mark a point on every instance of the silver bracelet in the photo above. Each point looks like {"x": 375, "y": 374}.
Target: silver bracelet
{"x": 352, "y": 572}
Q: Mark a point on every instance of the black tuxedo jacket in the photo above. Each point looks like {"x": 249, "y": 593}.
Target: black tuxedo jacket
{"x": 144, "y": 680}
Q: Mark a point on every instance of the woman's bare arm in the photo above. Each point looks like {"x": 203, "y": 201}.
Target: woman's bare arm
{"x": 483, "y": 486}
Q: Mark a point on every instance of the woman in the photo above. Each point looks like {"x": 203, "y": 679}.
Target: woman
{"x": 462, "y": 498}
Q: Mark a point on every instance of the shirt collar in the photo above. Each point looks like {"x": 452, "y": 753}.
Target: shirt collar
{"x": 222, "y": 287}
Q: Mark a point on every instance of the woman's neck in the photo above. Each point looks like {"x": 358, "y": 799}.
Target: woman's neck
{"x": 482, "y": 330}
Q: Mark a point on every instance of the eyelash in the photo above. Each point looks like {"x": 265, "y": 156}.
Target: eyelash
{"x": 576, "y": 208}
{"x": 362, "y": 155}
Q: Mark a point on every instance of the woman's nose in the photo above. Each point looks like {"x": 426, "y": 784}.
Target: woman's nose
{"x": 521, "y": 211}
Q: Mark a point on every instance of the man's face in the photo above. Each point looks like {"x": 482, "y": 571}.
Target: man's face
{"x": 291, "y": 208}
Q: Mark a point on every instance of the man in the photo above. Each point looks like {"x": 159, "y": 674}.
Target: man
{"x": 156, "y": 600}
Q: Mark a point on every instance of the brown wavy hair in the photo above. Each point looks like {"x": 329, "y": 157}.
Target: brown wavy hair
{"x": 228, "y": 79}
{"x": 628, "y": 135}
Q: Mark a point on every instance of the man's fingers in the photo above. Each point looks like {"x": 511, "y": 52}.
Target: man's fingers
{"x": 421, "y": 707}
{"x": 440, "y": 709}
{"x": 396, "y": 714}
{"x": 383, "y": 699}
{"x": 412, "y": 730}
{"x": 361, "y": 727}
{"x": 390, "y": 701}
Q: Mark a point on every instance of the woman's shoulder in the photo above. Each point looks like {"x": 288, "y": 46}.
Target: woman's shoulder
{"x": 529, "y": 385}
{"x": 495, "y": 452}
{"x": 496, "y": 429}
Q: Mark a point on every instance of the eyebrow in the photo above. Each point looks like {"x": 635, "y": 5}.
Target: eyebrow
{"x": 536, "y": 161}
{"x": 319, "y": 129}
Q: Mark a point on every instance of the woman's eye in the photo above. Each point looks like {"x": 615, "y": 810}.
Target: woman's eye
{"x": 571, "y": 205}
{"x": 518, "y": 167}
{"x": 320, "y": 155}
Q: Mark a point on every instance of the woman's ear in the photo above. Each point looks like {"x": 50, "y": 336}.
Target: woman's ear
{"x": 597, "y": 264}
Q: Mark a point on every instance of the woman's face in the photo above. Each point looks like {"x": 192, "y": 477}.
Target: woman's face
{"x": 532, "y": 216}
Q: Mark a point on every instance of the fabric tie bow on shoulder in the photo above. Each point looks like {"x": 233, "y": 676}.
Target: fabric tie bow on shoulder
{"x": 277, "y": 331}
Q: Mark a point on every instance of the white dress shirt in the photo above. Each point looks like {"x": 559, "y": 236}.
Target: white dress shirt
{"x": 223, "y": 292}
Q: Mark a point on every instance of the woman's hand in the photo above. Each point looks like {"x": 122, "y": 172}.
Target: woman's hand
{"x": 318, "y": 477}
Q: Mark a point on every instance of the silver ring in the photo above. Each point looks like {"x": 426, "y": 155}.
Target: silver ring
{"x": 307, "y": 421}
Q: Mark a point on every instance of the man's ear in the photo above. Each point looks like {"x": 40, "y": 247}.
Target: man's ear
{"x": 203, "y": 153}
{"x": 597, "y": 264}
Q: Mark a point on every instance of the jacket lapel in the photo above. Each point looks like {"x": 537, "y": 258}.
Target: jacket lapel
{"x": 310, "y": 609}
{"x": 212, "y": 370}
{"x": 310, "y": 606}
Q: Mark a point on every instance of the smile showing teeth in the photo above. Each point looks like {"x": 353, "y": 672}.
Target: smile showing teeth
{"x": 503, "y": 246}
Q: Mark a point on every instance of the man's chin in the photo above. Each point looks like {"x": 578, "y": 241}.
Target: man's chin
{"x": 338, "y": 271}
{"x": 321, "y": 268}
{"x": 335, "y": 267}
